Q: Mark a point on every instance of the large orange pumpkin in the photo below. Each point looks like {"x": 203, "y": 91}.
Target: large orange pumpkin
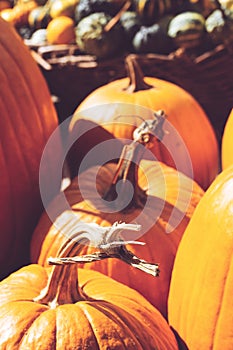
{"x": 112, "y": 106}
{"x": 28, "y": 118}
{"x": 227, "y": 142}
{"x": 70, "y": 308}
{"x": 161, "y": 197}
{"x": 200, "y": 299}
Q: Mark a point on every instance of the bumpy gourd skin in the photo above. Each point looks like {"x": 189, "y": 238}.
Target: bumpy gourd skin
{"x": 92, "y": 38}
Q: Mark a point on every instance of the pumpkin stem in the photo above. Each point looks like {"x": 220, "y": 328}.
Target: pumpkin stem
{"x": 62, "y": 286}
{"x": 125, "y": 181}
{"x": 109, "y": 241}
{"x": 136, "y": 77}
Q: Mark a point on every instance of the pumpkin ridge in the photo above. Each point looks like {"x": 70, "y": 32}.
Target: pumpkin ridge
{"x": 27, "y": 330}
{"x": 109, "y": 313}
{"x": 33, "y": 317}
{"x": 189, "y": 296}
{"x": 36, "y": 111}
{"x": 19, "y": 146}
{"x": 22, "y": 75}
{"x": 26, "y": 78}
{"x": 39, "y": 319}
{"x": 13, "y": 196}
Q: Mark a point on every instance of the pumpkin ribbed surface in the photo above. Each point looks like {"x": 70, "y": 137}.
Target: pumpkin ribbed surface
{"x": 28, "y": 118}
{"x": 200, "y": 300}
{"x": 109, "y": 315}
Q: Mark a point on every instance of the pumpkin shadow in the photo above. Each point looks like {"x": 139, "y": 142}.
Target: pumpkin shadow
{"x": 83, "y": 138}
{"x": 181, "y": 344}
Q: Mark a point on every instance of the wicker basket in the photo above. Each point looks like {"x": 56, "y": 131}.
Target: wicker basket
{"x": 71, "y": 76}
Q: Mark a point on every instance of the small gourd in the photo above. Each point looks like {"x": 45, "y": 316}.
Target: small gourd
{"x": 63, "y": 8}
{"x": 220, "y": 26}
{"x": 154, "y": 38}
{"x": 187, "y": 29}
{"x": 18, "y": 14}
{"x": 93, "y": 38}
{"x": 39, "y": 37}
{"x": 39, "y": 17}
{"x": 151, "y": 11}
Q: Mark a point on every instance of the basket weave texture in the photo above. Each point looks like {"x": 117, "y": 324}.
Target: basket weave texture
{"x": 71, "y": 76}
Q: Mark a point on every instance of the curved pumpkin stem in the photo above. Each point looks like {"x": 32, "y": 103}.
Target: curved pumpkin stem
{"x": 136, "y": 77}
{"x": 62, "y": 286}
{"x": 127, "y": 167}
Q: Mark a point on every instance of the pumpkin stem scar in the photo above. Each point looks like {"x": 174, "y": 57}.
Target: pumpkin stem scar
{"x": 127, "y": 167}
{"x": 62, "y": 285}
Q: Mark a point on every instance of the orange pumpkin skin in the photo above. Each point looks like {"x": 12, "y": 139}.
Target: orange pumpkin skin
{"x": 104, "y": 105}
{"x": 110, "y": 316}
{"x": 200, "y": 300}
{"x": 160, "y": 246}
{"x": 28, "y": 118}
{"x": 227, "y": 142}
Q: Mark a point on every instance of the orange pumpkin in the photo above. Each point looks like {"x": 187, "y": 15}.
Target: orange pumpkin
{"x": 227, "y": 142}
{"x": 70, "y": 308}
{"x": 200, "y": 299}
{"x": 161, "y": 197}
{"x": 112, "y": 106}
{"x": 28, "y": 118}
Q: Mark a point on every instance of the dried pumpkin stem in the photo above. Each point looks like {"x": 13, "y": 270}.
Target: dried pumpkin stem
{"x": 62, "y": 286}
{"x": 120, "y": 252}
{"x": 136, "y": 77}
{"x": 127, "y": 167}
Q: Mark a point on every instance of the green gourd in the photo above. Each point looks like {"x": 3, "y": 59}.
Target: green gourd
{"x": 93, "y": 38}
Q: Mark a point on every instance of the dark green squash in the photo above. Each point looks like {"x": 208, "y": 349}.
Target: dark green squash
{"x": 93, "y": 38}
{"x": 154, "y": 38}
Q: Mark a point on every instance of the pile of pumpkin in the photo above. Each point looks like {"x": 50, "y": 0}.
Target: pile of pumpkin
{"x": 98, "y": 26}
{"x": 77, "y": 270}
